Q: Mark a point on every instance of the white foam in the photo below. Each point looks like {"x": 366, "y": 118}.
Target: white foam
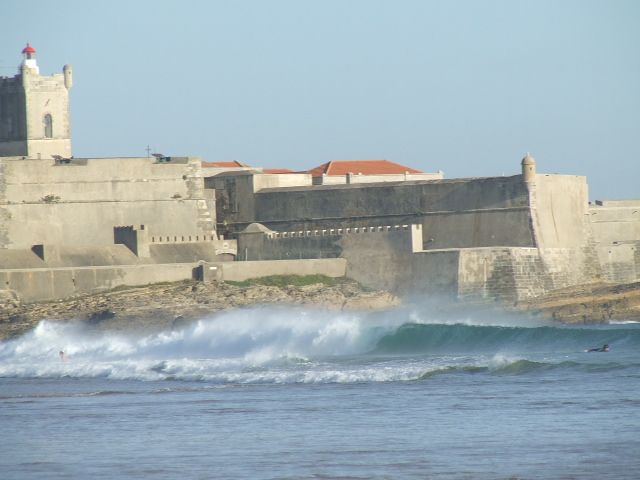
{"x": 258, "y": 344}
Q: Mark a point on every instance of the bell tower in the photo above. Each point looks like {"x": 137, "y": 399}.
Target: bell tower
{"x": 34, "y": 111}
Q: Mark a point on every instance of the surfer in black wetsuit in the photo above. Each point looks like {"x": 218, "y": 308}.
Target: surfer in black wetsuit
{"x": 604, "y": 348}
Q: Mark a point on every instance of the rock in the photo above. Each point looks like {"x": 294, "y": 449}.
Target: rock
{"x": 102, "y": 315}
{"x": 175, "y": 305}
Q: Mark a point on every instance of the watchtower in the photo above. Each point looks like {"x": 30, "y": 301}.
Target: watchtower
{"x": 528, "y": 169}
{"x": 34, "y": 111}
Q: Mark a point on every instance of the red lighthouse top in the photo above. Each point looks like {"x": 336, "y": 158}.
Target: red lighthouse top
{"x": 28, "y": 49}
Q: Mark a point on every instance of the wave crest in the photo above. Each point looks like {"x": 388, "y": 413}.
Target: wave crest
{"x": 289, "y": 345}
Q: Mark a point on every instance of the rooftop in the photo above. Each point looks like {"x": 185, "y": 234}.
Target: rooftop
{"x": 278, "y": 170}
{"x": 364, "y": 167}
{"x": 227, "y": 164}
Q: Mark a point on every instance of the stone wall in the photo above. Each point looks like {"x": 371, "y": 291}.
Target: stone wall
{"x": 453, "y": 213}
{"x": 36, "y": 285}
{"x": 79, "y": 203}
{"x": 239, "y": 271}
{"x": 616, "y": 233}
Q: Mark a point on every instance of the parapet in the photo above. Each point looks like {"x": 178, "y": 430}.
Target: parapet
{"x": 332, "y": 231}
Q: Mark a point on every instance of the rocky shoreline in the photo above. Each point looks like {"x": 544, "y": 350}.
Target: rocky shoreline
{"x": 162, "y": 306}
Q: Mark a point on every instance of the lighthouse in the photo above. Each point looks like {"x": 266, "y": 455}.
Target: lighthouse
{"x": 29, "y": 59}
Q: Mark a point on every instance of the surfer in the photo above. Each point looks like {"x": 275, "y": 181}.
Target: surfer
{"x": 61, "y": 353}
{"x": 604, "y": 348}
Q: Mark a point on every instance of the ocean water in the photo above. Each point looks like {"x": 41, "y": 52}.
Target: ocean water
{"x": 292, "y": 393}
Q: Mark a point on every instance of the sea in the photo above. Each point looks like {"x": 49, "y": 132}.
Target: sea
{"x": 303, "y": 393}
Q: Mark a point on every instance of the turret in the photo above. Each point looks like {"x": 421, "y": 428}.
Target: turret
{"x": 68, "y": 76}
{"x": 528, "y": 169}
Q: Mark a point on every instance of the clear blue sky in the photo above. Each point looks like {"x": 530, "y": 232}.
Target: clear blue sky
{"x": 467, "y": 87}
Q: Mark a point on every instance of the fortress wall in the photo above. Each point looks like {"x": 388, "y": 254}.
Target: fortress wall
{"x": 91, "y": 223}
{"x": 37, "y": 285}
{"x": 478, "y": 229}
{"x": 461, "y": 213}
{"x": 113, "y": 179}
{"x": 562, "y": 229}
{"x": 192, "y": 252}
{"x": 388, "y": 199}
{"x": 620, "y": 263}
{"x": 611, "y": 225}
{"x": 434, "y": 273}
{"x": 62, "y": 256}
{"x": 234, "y": 196}
{"x": 5, "y": 215}
{"x": 260, "y": 247}
{"x": 20, "y": 259}
{"x": 560, "y": 210}
{"x": 616, "y": 232}
{"x": 326, "y": 243}
{"x": 378, "y": 257}
{"x": 515, "y": 274}
{"x": 79, "y": 203}
{"x": 381, "y": 257}
{"x": 502, "y": 274}
{"x": 82, "y": 256}
{"x": 240, "y": 271}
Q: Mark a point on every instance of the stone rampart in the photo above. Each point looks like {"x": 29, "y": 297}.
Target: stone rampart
{"x": 36, "y": 285}
{"x": 393, "y": 258}
{"x": 239, "y": 271}
{"x": 79, "y": 202}
{"x": 454, "y": 213}
{"x": 616, "y": 234}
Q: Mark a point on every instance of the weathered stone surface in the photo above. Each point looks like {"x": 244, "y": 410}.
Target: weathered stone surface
{"x": 596, "y": 303}
{"x": 170, "y": 305}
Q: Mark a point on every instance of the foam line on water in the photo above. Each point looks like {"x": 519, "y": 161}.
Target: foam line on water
{"x": 283, "y": 345}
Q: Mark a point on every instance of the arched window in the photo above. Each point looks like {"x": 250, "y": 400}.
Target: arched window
{"x": 48, "y": 126}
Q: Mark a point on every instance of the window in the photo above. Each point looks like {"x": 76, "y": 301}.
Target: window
{"x": 48, "y": 126}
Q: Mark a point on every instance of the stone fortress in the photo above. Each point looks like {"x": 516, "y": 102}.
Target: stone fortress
{"x": 71, "y": 226}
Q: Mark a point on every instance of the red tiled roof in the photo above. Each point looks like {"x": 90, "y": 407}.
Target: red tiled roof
{"x": 230, "y": 164}
{"x": 365, "y": 167}
{"x": 277, "y": 170}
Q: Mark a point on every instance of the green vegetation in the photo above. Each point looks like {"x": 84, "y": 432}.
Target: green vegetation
{"x": 50, "y": 198}
{"x": 286, "y": 280}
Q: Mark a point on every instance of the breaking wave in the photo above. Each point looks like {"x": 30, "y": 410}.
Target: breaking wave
{"x": 289, "y": 345}
{"x": 441, "y": 338}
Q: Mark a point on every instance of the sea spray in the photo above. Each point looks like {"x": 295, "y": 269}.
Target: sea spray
{"x": 219, "y": 347}
{"x": 302, "y": 345}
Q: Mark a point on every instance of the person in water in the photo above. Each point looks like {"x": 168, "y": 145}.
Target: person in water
{"x": 61, "y": 353}
{"x": 604, "y": 348}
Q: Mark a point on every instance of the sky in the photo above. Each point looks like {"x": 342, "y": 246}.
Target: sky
{"x": 463, "y": 86}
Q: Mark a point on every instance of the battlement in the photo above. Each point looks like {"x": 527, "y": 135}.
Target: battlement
{"x": 341, "y": 231}
{"x": 182, "y": 238}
